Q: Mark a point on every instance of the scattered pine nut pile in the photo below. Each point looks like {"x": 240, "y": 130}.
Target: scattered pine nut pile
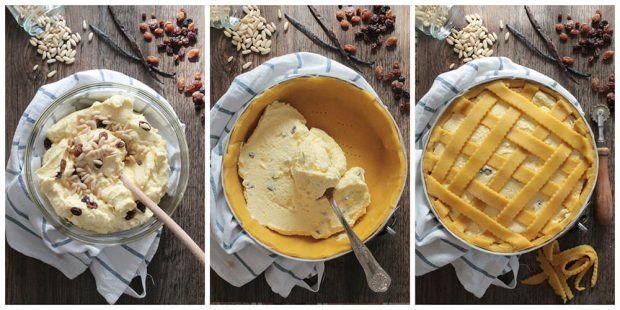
{"x": 253, "y": 34}
{"x": 57, "y": 42}
{"x": 474, "y": 41}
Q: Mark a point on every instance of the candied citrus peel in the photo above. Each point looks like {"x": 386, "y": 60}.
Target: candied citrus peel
{"x": 557, "y": 266}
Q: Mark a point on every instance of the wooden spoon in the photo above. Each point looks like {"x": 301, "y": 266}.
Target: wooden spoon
{"x": 166, "y": 219}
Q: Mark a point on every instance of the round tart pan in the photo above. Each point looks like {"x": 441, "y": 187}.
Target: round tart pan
{"x": 363, "y": 128}
{"x": 581, "y": 208}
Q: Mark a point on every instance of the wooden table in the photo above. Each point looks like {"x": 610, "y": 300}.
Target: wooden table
{"x": 433, "y": 58}
{"x": 176, "y": 276}
{"x": 344, "y": 280}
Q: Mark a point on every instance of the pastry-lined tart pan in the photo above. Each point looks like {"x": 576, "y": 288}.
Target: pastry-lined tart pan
{"x": 364, "y": 129}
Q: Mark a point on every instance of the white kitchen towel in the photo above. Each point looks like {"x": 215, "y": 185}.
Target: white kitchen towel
{"x": 436, "y": 247}
{"x": 28, "y": 232}
{"x": 234, "y": 255}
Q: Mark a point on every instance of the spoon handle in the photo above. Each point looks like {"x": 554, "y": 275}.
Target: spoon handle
{"x": 166, "y": 219}
{"x": 378, "y": 280}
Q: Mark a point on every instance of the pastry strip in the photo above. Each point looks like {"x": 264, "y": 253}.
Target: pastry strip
{"x": 480, "y": 157}
{"x": 533, "y": 186}
{"x": 466, "y": 128}
{"x": 437, "y": 190}
{"x": 553, "y": 205}
{"x": 558, "y": 128}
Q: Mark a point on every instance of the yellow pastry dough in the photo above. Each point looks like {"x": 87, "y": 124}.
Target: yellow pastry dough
{"x": 557, "y": 266}
{"x": 508, "y": 165}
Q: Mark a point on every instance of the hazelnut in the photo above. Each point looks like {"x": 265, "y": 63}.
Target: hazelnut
{"x": 351, "y": 49}
{"x": 344, "y": 24}
{"x": 379, "y": 73}
{"x": 366, "y": 15}
{"x": 559, "y": 27}
{"x": 148, "y": 36}
{"x": 143, "y": 27}
{"x": 607, "y": 55}
{"x": 355, "y": 20}
{"x": 585, "y": 29}
{"x": 152, "y": 60}
{"x": 197, "y": 76}
{"x": 159, "y": 32}
{"x": 568, "y": 60}
{"x": 180, "y": 16}
{"x": 596, "y": 17}
{"x": 339, "y": 15}
{"x": 563, "y": 37}
{"x": 168, "y": 27}
{"x": 574, "y": 32}
{"x": 180, "y": 84}
{"x": 391, "y": 42}
{"x": 193, "y": 54}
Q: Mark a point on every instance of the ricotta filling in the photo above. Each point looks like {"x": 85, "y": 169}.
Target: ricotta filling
{"x": 88, "y": 150}
{"x": 286, "y": 168}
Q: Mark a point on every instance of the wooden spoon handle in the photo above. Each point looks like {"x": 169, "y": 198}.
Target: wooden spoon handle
{"x": 167, "y": 220}
{"x": 604, "y": 208}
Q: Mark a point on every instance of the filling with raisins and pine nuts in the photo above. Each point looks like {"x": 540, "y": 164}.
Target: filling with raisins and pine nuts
{"x": 286, "y": 168}
{"x": 88, "y": 150}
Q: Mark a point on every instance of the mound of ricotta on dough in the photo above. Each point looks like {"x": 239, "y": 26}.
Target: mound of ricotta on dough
{"x": 286, "y": 169}
{"x": 89, "y": 150}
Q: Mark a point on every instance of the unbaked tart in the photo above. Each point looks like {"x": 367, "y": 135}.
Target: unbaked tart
{"x": 508, "y": 165}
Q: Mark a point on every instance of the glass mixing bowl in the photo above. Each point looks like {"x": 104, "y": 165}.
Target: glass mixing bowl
{"x": 159, "y": 116}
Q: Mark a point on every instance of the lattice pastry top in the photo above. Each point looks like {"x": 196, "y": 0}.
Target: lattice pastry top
{"x": 508, "y": 165}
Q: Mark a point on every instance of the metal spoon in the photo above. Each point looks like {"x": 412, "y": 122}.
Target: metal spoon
{"x": 378, "y": 280}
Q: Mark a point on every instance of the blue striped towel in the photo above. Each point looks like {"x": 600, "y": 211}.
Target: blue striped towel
{"x": 435, "y": 247}
{"x": 234, "y": 255}
{"x": 28, "y": 232}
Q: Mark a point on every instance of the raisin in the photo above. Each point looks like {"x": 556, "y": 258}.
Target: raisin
{"x": 140, "y": 206}
{"x": 76, "y": 211}
{"x": 47, "y": 143}
{"x": 130, "y": 214}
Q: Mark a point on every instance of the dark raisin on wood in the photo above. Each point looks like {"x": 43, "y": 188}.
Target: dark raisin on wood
{"x": 130, "y": 214}
{"x": 47, "y": 143}
{"x": 76, "y": 211}
{"x": 140, "y": 206}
